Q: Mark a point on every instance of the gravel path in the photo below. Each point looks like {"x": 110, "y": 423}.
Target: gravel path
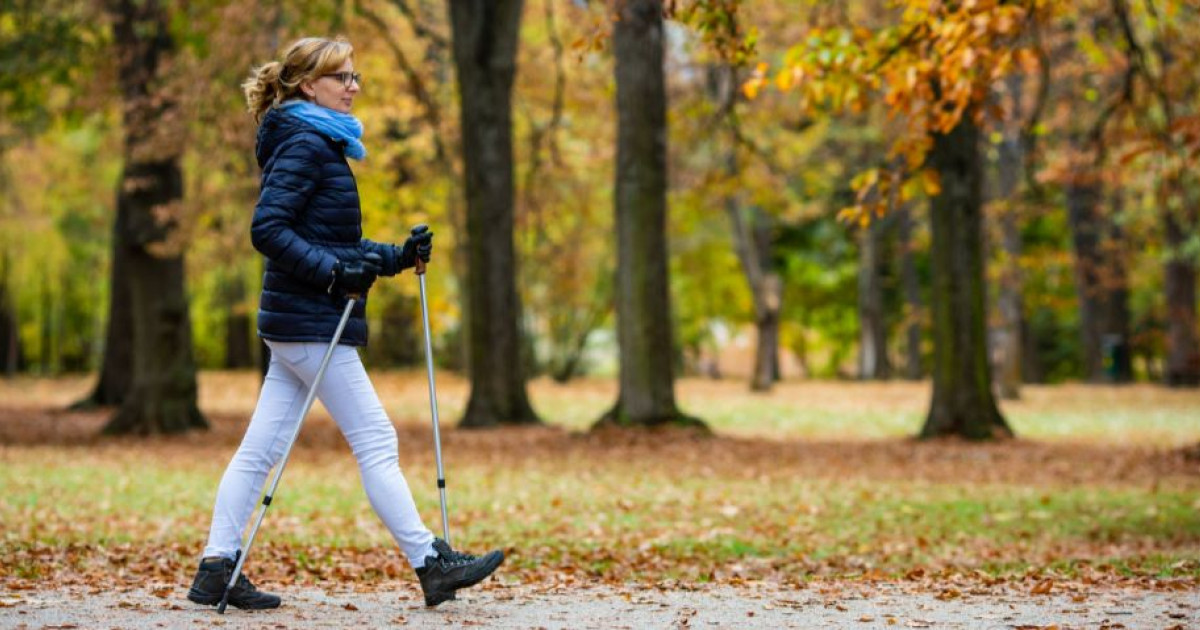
{"x": 856, "y": 606}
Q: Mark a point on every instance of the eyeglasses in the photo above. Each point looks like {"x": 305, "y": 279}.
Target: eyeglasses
{"x": 347, "y": 78}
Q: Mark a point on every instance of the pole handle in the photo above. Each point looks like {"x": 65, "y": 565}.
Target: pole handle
{"x": 420, "y": 265}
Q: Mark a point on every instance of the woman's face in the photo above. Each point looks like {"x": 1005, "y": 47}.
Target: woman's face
{"x": 331, "y": 90}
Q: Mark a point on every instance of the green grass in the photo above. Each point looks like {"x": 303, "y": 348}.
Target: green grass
{"x": 609, "y": 521}
{"x": 834, "y": 491}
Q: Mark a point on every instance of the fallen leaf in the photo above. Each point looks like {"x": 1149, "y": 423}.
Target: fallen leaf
{"x": 949, "y": 594}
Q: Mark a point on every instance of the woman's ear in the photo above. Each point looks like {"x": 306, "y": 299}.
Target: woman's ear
{"x": 308, "y": 90}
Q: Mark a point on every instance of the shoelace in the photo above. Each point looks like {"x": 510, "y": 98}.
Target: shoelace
{"x": 243, "y": 583}
{"x": 454, "y": 558}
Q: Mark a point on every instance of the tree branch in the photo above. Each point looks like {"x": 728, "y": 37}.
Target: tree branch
{"x": 1138, "y": 58}
{"x": 422, "y": 31}
{"x": 546, "y": 134}
{"x": 432, "y": 114}
{"x": 1028, "y": 132}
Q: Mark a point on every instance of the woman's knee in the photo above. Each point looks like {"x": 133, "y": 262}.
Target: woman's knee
{"x": 377, "y": 447}
{"x": 257, "y": 458}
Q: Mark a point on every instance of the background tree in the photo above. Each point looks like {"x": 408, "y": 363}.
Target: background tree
{"x": 49, "y": 49}
{"x": 1100, "y": 260}
{"x": 162, "y": 397}
{"x": 873, "y": 361}
{"x": 963, "y": 403}
{"x": 753, "y": 233}
{"x": 485, "y": 48}
{"x": 647, "y": 385}
{"x": 1011, "y": 198}
{"x": 935, "y": 66}
{"x": 1162, "y": 93}
{"x": 563, "y": 217}
{"x": 911, "y": 287}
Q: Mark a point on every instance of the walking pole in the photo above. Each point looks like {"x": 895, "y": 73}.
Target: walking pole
{"x": 437, "y": 438}
{"x": 266, "y": 502}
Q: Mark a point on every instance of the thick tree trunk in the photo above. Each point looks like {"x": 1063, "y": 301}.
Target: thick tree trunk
{"x": 485, "y": 50}
{"x": 912, "y": 295}
{"x": 647, "y": 386}
{"x": 1100, "y": 283}
{"x": 1182, "y": 367}
{"x": 962, "y": 403}
{"x": 873, "y": 361}
{"x": 162, "y": 398}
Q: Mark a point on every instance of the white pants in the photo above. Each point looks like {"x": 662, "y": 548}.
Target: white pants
{"x": 350, "y": 398}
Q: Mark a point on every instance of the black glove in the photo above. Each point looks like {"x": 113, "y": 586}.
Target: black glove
{"x": 419, "y": 245}
{"x": 356, "y": 276}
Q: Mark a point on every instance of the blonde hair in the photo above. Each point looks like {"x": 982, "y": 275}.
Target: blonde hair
{"x": 305, "y": 60}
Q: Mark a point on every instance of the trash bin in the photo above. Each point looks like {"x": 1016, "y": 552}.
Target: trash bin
{"x": 1118, "y": 365}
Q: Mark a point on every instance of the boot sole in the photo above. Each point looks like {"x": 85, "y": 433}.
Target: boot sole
{"x": 439, "y": 597}
{"x": 209, "y": 599}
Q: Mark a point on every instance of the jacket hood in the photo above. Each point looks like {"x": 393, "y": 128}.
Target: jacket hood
{"x": 276, "y": 126}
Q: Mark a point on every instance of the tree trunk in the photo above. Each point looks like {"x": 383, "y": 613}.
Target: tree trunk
{"x": 912, "y": 295}
{"x": 162, "y": 397}
{"x": 1182, "y": 367}
{"x": 752, "y": 241}
{"x": 647, "y": 387}
{"x": 872, "y": 340}
{"x": 962, "y": 403}
{"x": 753, "y": 236}
{"x": 753, "y": 244}
{"x": 10, "y": 339}
{"x": 1011, "y": 161}
{"x": 485, "y": 48}
{"x": 239, "y": 351}
{"x": 1100, "y": 282}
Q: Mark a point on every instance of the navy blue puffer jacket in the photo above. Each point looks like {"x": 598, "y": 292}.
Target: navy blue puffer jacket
{"x": 306, "y": 220}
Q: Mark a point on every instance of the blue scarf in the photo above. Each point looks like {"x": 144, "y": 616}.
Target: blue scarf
{"x": 341, "y": 127}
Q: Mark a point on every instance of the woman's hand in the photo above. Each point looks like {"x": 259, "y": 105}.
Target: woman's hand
{"x": 356, "y": 276}
{"x": 419, "y": 245}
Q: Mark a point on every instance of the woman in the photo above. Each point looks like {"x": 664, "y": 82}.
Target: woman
{"x": 308, "y": 224}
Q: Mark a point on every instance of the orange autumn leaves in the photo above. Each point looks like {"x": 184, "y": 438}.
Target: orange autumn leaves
{"x": 932, "y": 64}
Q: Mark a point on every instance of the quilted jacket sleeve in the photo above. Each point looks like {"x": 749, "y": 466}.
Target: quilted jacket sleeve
{"x": 388, "y": 252}
{"x": 286, "y": 190}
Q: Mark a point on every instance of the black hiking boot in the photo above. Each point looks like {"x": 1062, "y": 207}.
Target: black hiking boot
{"x": 451, "y": 570}
{"x": 210, "y": 582}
